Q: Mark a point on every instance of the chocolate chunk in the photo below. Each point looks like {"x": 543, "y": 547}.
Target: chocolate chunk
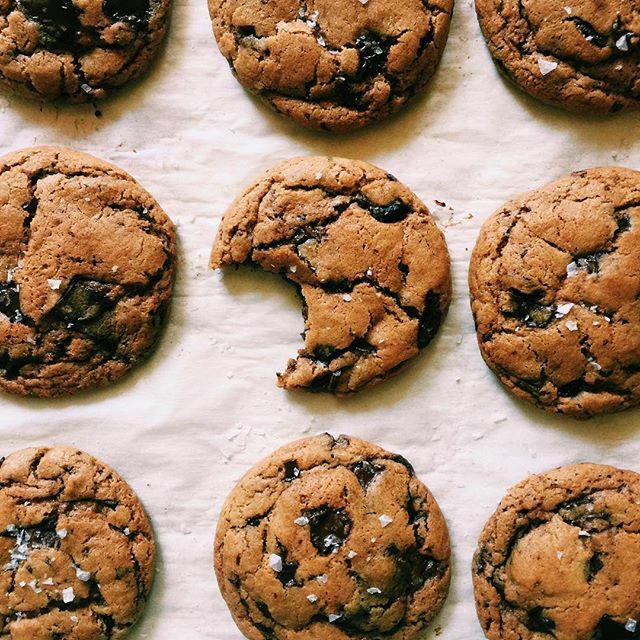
{"x": 373, "y": 50}
{"x": 291, "y": 471}
{"x": 537, "y": 621}
{"x": 133, "y": 12}
{"x": 395, "y": 211}
{"x": 329, "y": 528}
{"x": 57, "y": 20}
{"x": 366, "y": 472}
{"x": 84, "y": 300}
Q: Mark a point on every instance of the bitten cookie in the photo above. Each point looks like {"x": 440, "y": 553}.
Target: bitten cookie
{"x": 582, "y": 55}
{"x": 332, "y": 539}
{"x": 87, "y": 259}
{"x": 367, "y": 258}
{"x": 332, "y": 65}
{"x": 556, "y": 293}
{"x": 77, "y": 49}
{"x": 560, "y": 558}
{"x": 76, "y": 548}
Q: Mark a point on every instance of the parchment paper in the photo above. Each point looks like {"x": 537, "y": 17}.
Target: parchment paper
{"x": 185, "y": 427}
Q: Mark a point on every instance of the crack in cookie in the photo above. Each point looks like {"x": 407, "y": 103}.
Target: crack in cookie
{"x": 88, "y": 260}
{"x": 368, "y": 261}
{"x": 351, "y": 544}
{"x": 555, "y": 293}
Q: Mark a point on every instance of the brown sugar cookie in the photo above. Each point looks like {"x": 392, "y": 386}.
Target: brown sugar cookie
{"x": 332, "y": 539}
{"x": 560, "y": 558}
{"x": 582, "y": 55}
{"x": 556, "y": 293}
{"x": 332, "y": 65}
{"x": 77, "y": 49}
{"x": 369, "y": 262}
{"x": 87, "y": 259}
{"x": 76, "y": 548}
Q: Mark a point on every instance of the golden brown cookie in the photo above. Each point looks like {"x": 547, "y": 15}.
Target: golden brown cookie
{"x": 77, "y": 49}
{"x": 332, "y": 65}
{"x": 367, "y": 258}
{"x": 76, "y": 548}
{"x": 556, "y": 293}
{"x": 582, "y": 55}
{"x": 87, "y": 259}
{"x": 332, "y": 539}
{"x": 560, "y": 558}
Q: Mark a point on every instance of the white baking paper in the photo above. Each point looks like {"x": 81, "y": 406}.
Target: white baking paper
{"x": 185, "y": 427}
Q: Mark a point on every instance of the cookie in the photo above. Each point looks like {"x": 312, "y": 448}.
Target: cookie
{"x": 332, "y": 539}
{"x": 555, "y": 293}
{"x": 369, "y": 262}
{"x": 560, "y": 558}
{"x": 76, "y": 548}
{"x": 77, "y": 50}
{"x": 583, "y": 56}
{"x": 332, "y": 65}
{"x": 87, "y": 259}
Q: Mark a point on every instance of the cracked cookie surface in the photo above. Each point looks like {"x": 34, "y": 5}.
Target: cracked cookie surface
{"x": 77, "y": 552}
{"x": 555, "y": 290}
{"x": 77, "y": 50}
{"x": 332, "y": 539}
{"x": 87, "y": 259}
{"x": 583, "y": 55}
{"x": 369, "y": 262}
{"x": 560, "y": 558}
{"x": 332, "y": 65}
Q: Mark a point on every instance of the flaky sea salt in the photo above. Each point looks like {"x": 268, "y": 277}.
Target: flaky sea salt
{"x": 48, "y": 582}
{"x": 622, "y": 43}
{"x": 83, "y": 576}
{"x": 54, "y": 283}
{"x": 572, "y": 325}
{"x": 373, "y": 590}
{"x": 275, "y": 562}
{"x": 34, "y": 586}
{"x": 572, "y": 269}
{"x": 352, "y": 554}
{"x": 563, "y": 309}
{"x": 61, "y": 533}
{"x": 560, "y": 555}
{"x": 334, "y": 616}
{"x": 347, "y": 298}
{"x": 74, "y": 619}
{"x": 302, "y": 521}
{"x": 68, "y": 595}
{"x": 546, "y": 66}
{"x": 385, "y": 520}
{"x": 631, "y": 625}
{"x": 312, "y": 597}
{"x": 568, "y": 10}
{"x": 322, "y": 579}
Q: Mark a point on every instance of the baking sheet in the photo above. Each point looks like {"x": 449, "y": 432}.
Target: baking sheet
{"x": 185, "y": 427}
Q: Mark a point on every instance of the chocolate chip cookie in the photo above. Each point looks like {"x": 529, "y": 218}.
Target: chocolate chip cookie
{"x": 556, "y": 294}
{"x": 77, "y": 50}
{"x": 332, "y": 65}
{"x": 582, "y": 55}
{"x": 87, "y": 259}
{"x": 560, "y": 558}
{"x": 369, "y": 262}
{"x": 332, "y": 538}
{"x": 76, "y": 548}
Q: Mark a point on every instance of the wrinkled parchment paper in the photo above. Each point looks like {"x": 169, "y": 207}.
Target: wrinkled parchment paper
{"x": 186, "y": 426}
